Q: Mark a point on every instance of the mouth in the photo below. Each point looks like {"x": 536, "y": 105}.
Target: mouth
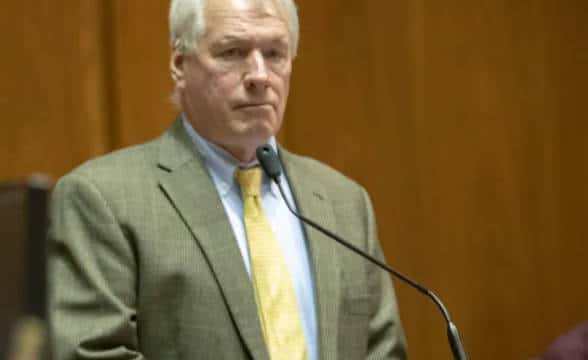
{"x": 254, "y": 106}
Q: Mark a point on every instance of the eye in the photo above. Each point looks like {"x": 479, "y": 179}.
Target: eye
{"x": 275, "y": 54}
{"x": 232, "y": 53}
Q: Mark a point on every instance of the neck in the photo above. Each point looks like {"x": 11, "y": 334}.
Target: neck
{"x": 243, "y": 155}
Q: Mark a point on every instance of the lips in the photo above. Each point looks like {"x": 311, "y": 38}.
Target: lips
{"x": 252, "y": 105}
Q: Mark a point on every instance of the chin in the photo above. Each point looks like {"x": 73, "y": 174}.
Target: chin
{"x": 260, "y": 128}
{"x": 261, "y": 136}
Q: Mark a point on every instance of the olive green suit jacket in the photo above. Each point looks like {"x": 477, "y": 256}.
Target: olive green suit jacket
{"x": 143, "y": 262}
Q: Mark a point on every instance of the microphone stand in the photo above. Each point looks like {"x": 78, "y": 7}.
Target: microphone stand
{"x": 271, "y": 165}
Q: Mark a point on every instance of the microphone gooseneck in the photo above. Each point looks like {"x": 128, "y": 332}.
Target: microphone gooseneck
{"x": 270, "y": 163}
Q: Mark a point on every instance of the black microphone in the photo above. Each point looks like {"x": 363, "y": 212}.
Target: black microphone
{"x": 271, "y": 166}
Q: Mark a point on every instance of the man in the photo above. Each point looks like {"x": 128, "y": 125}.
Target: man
{"x": 178, "y": 249}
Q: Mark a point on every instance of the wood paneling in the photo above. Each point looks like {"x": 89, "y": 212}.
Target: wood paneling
{"x": 465, "y": 120}
{"x": 52, "y": 92}
{"x": 141, "y": 83}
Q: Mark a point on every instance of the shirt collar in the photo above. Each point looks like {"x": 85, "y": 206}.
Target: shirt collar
{"x": 222, "y": 165}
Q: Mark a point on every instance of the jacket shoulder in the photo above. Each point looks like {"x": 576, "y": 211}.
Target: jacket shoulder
{"x": 310, "y": 168}
{"x": 126, "y": 163}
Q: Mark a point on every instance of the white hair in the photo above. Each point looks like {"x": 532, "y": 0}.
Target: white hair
{"x": 187, "y": 23}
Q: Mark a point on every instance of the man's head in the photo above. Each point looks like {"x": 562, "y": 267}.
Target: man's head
{"x": 231, "y": 63}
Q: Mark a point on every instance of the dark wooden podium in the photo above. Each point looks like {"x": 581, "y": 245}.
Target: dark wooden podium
{"x": 23, "y": 226}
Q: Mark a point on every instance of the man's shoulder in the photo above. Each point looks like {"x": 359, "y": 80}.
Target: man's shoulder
{"x": 116, "y": 180}
{"x": 315, "y": 170}
{"x": 130, "y": 161}
{"x": 122, "y": 173}
{"x": 140, "y": 160}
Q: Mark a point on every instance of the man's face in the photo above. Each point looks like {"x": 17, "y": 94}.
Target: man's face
{"x": 235, "y": 86}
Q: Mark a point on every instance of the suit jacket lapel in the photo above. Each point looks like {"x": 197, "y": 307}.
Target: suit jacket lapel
{"x": 191, "y": 190}
{"x": 312, "y": 202}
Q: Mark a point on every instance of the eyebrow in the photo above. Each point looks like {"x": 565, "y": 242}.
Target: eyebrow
{"x": 228, "y": 39}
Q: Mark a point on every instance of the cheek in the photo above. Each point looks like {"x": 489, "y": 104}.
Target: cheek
{"x": 222, "y": 89}
{"x": 284, "y": 81}
{"x": 284, "y": 90}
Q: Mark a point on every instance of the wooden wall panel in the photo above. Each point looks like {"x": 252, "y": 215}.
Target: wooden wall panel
{"x": 141, "y": 81}
{"x": 51, "y": 95}
{"x": 464, "y": 120}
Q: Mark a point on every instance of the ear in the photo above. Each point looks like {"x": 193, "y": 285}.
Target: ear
{"x": 176, "y": 66}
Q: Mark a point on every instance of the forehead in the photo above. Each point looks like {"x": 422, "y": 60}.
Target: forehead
{"x": 237, "y": 17}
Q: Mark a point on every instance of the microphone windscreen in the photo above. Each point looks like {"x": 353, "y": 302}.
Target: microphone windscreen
{"x": 269, "y": 161}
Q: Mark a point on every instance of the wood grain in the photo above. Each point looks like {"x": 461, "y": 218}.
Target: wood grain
{"x": 52, "y": 96}
{"x": 464, "y": 120}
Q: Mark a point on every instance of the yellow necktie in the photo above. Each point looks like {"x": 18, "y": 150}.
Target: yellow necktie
{"x": 274, "y": 291}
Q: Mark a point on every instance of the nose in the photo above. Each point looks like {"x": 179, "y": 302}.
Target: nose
{"x": 256, "y": 76}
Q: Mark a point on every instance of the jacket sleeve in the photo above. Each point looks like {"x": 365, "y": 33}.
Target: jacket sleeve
{"x": 92, "y": 277}
{"x": 386, "y": 338}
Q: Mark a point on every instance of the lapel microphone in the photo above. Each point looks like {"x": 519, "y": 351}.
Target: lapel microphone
{"x": 270, "y": 163}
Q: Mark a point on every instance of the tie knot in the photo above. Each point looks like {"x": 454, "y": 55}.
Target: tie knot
{"x": 249, "y": 180}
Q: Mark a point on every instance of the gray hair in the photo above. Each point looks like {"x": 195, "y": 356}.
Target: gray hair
{"x": 187, "y": 24}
